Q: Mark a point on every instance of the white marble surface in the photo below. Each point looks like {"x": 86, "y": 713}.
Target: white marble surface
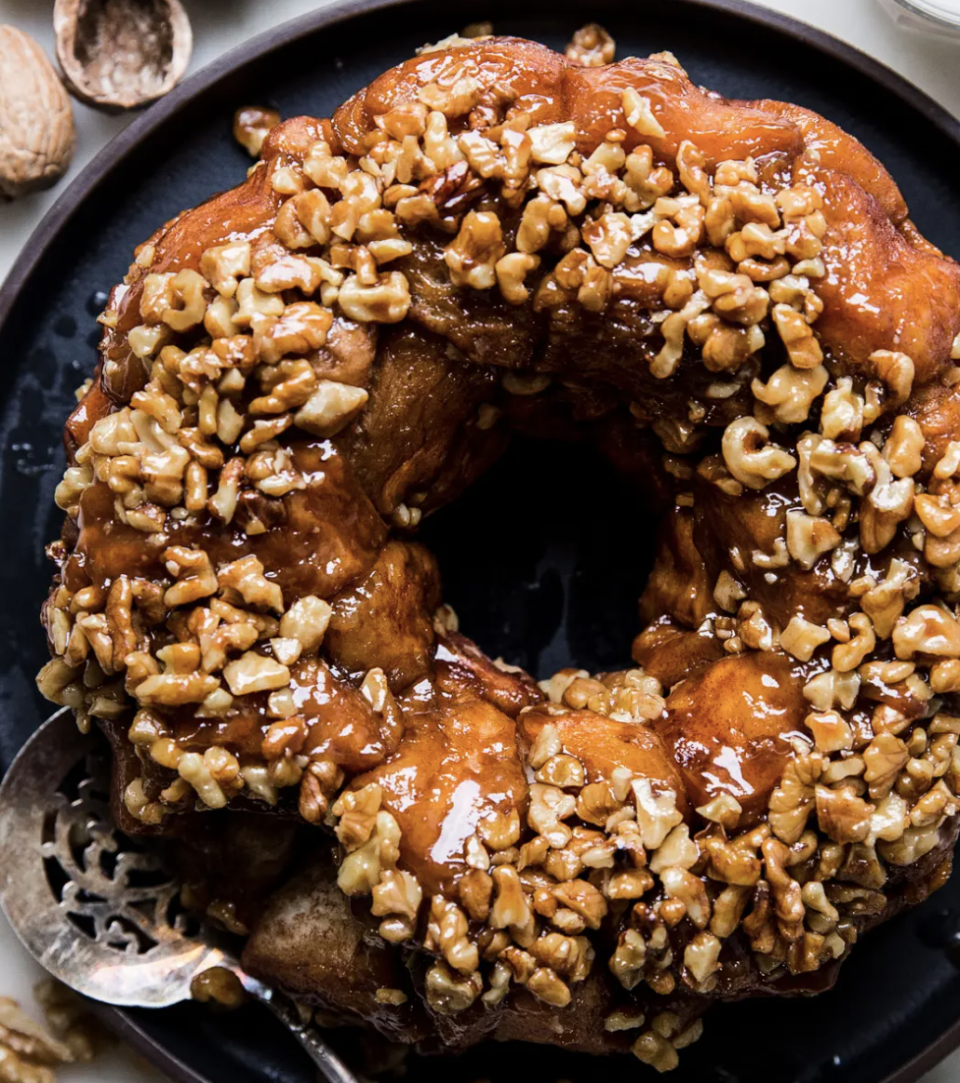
{"x": 932, "y": 63}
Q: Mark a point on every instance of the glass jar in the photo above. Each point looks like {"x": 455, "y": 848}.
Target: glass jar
{"x": 941, "y": 17}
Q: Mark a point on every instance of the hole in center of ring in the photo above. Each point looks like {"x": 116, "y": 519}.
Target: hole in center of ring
{"x": 545, "y": 557}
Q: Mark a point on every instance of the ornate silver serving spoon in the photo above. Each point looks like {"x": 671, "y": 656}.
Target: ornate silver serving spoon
{"x": 99, "y": 914}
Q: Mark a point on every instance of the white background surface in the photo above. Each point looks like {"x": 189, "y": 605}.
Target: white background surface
{"x": 931, "y": 62}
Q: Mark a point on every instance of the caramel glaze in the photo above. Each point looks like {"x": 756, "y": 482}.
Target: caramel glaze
{"x": 601, "y": 744}
{"x": 383, "y": 619}
{"x": 342, "y": 727}
{"x": 537, "y": 81}
{"x": 720, "y": 531}
{"x": 458, "y": 763}
{"x": 727, "y": 729}
{"x": 317, "y": 541}
{"x": 727, "y": 719}
{"x": 309, "y": 942}
{"x": 417, "y": 432}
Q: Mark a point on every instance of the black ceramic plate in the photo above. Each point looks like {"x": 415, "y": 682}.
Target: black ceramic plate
{"x": 545, "y": 557}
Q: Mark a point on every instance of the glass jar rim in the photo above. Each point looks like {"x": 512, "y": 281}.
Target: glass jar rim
{"x": 932, "y": 12}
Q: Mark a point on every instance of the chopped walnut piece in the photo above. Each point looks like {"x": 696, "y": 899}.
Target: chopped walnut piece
{"x": 501, "y": 830}
{"x": 896, "y": 370}
{"x": 510, "y": 907}
{"x": 225, "y": 265}
{"x": 927, "y": 630}
{"x": 624, "y": 1020}
{"x": 749, "y": 456}
{"x": 511, "y": 271}
{"x": 682, "y": 885}
{"x": 449, "y": 992}
{"x": 596, "y": 802}
{"x": 832, "y": 689}
{"x": 244, "y": 580}
{"x": 911, "y": 846}
{"x": 849, "y": 655}
{"x": 563, "y": 771}
{"x": 729, "y": 907}
{"x": 552, "y": 144}
{"x": 361, "y": 870}
{"x": 831, "y": 733}
{"x": 201, "y": 773}
{"x": 723, "y": 809}
{"x": 803, "y": 349}
{"x": 790, "y": 393}
{"x": 945, "y": 676}
{"x": 628, "y": 960}
{"x": 904, "y": 446}
{"x": 547, "y": 986}
{"x": 447, "y": 932}
{"x": 453, "y": 100}
{"x": 809, "y": 537}
{"x": 76, "y": 480}
{"x": 251, "y": 126}
{"x": 140, "y": 807}
{"x": 674, "y": 329}
{"x": 472, "y": 256}
{"x": 302, "y": 328}
{"x": 657, "y": 813}
{"x": 284, "y": 737}
{"x": 727, "y": 592}
{"x": 842, "y": 815}
{"x": 314, "y": 215}
{"x": 841, "y": 415}
{"x": 883, "y": 757}
{"x": 702, "y": 957}
{"x": 677, "y": 230}
{"x": 306, "y": 621}
{"x": 28, "y": 1052}
{"x": 547, "y": 743}
{"x": 677, "y": 849}
{"x": 584, "y": 899}
{"x": 609, "y": 237}
{"x": 884, "y": 603}
{"x": 194, "y": 574}
{"x": 792, "y": 801}
{"x": 187, "y": 302}
{"x": 639, "y": 114}
{"x": 549, "y": 806}
{"x": 801, "y": 638}
{"x": 888, "y": 504}
{"x": 591, "y": 47}
{"x": 330, "y": 408}
{"x": 146, "y": 341}
{"x": 397, "y": 895}
{"x": 939, "y": 517}
{"x": 253, "y": 302}
{"x": 388, "y": 301}
{"x": 254, "y": 672}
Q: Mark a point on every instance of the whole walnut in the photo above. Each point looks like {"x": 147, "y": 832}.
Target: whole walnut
{"x": 37, "y": 134}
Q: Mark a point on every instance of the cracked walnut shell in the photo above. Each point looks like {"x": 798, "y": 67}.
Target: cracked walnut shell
{"x": 121, "y": 54}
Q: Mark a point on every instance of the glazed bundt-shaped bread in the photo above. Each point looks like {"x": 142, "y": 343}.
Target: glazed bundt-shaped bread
{"x": 729, "y": 301}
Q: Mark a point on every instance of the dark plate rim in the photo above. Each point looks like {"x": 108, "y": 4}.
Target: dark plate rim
{"x": 142, "y": 127}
